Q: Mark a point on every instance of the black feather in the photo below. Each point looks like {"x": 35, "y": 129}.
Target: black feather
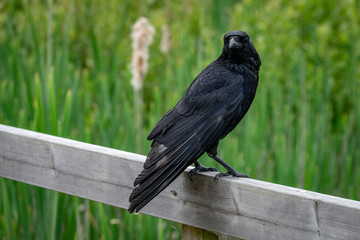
{"x": 212, "y": 106}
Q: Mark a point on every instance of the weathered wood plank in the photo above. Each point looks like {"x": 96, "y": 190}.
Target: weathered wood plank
{"x": 244, "y": 208}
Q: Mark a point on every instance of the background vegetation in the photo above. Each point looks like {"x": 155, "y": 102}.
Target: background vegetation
{"x": 64, "y": 70}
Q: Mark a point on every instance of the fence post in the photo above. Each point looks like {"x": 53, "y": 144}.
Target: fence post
{"x": 194, "y": 233}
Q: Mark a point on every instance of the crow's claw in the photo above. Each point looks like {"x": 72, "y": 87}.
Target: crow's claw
{"x": 200, "y": 169}
{"x": 234, "y": 174}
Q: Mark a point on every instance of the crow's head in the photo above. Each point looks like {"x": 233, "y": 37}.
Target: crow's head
{"x": 239, "y": 49}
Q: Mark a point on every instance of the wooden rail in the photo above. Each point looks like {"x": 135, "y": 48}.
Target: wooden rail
{"x": 243, "y": 208}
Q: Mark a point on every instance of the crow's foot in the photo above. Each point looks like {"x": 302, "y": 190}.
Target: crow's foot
{"x": 232, "y": 173}
{"x": 200, "y": 168}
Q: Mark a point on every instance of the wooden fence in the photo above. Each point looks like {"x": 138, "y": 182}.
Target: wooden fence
{"x": 230, "y": 208}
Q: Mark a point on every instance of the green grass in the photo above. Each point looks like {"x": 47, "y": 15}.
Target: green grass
{"x": 303, "y": 129}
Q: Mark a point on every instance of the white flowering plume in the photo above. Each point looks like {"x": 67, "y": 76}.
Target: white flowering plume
{"x": 142, "y": 36}
{"x": 165, "y": 39}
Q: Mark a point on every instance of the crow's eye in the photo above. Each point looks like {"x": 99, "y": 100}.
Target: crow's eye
{"x": 246, "y": 40}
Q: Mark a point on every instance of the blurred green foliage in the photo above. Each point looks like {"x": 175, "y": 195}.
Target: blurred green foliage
{"x": 64, "y": 70}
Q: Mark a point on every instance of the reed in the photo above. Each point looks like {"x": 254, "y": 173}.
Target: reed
{"x": 142, "y": 36}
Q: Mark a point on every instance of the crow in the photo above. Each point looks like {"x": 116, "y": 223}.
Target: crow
{"x": 212, "y": 106}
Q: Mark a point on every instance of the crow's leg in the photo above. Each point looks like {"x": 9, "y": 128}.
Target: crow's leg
{"x": 231, "y": 171}
{"x": 200, "y": 168}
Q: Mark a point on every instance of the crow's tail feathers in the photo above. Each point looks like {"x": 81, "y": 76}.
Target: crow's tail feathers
{"x": 185, "y": 143}
{"x": 162, "y": 167}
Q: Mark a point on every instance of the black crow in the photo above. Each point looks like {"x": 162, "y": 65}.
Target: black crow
{"x": 213, "y": 105}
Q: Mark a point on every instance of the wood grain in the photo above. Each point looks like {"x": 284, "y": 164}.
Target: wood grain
{"x": 244, "y": 208}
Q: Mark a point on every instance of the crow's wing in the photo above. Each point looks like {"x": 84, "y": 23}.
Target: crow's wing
{"x": 210, "y": 106}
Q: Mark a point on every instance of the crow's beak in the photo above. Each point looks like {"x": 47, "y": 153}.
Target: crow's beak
{"x": 235, "y": 44}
